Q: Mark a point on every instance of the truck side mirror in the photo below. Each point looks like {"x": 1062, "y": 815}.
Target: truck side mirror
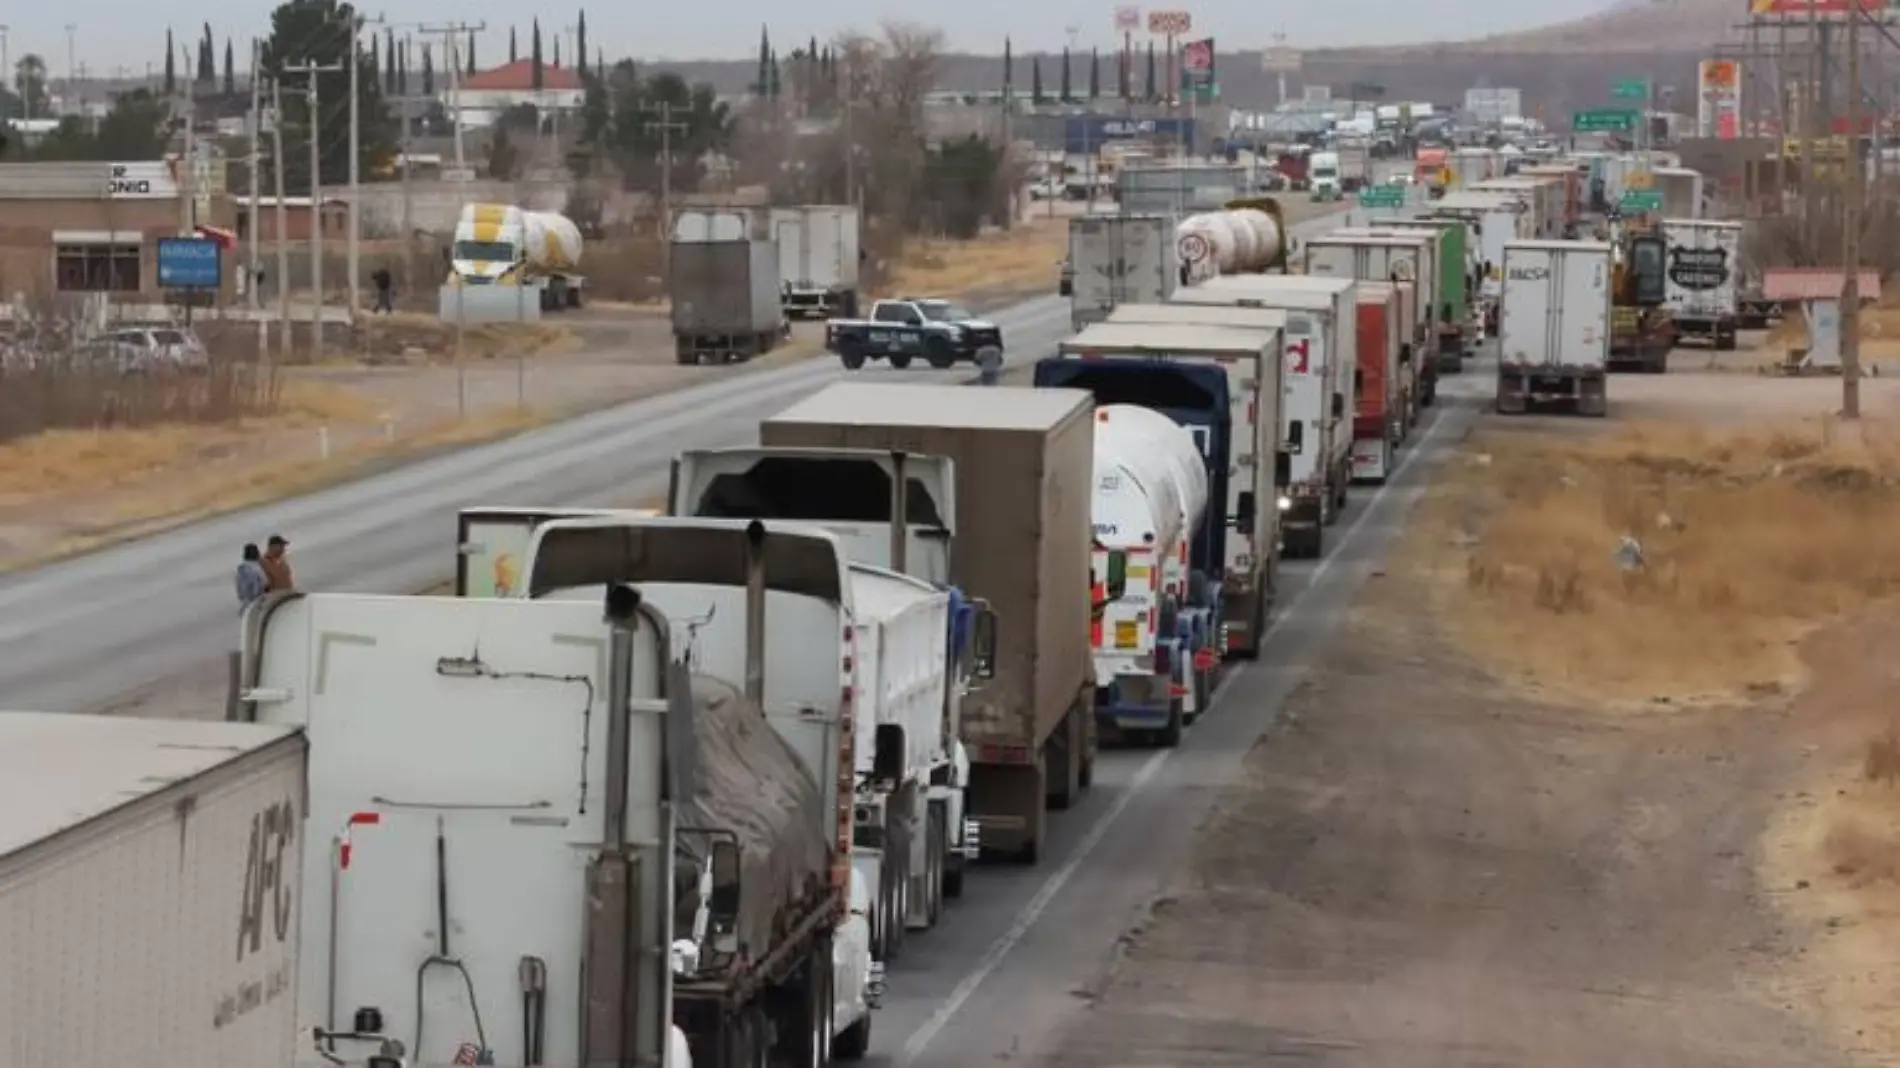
{"x": 1295, "y": 438}
{"x": 722, "y": 905}
{"x": 1339, "y": 399}
{"x": 983, "y": 644}
{"x": 1244, "y": 522}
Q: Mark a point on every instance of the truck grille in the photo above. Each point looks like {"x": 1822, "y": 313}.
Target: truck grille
{"x": 986, "y": 338}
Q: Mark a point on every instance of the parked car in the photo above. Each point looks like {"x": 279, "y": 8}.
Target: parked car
{"x": 150, "y": 349}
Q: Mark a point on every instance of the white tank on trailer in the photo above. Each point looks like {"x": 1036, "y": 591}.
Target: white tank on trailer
{"x": 1230, "y": 241}
{"x": 1159, "y": 443}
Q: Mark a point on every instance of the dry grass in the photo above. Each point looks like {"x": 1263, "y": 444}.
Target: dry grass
{"x": 1747, "y": 541}
{"x": 423, "y": 338}
{"x": 1027, "y": 257}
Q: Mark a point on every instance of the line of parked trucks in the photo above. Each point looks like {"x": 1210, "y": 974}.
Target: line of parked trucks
{"x": 672, "y": 789}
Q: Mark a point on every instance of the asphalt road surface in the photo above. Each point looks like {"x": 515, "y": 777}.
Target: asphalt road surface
{"x": 89, "y": 632}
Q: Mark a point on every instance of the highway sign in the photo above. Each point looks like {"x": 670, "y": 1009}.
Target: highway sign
{"x": 1630, "y": 89}
{"x": 1382, "y": 196}
{"x": 1639, "y": 201}
{"x": 1604, "y": 120}
{"x": 1639, "y": 180}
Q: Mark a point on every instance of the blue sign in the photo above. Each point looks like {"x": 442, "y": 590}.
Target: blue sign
{"x": 189, "y": 263}
{"x": 1087, "y": 133}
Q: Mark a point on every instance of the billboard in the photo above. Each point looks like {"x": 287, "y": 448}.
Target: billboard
{"x": 1719, "y": 99}
{"x": 1774, "y": 8}
{"x": 1088, "y": 133}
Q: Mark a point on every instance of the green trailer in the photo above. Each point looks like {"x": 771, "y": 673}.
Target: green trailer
{"x": 1455, "y": 319}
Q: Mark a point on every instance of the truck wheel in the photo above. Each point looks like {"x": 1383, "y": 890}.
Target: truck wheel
{"x": 953, "y": 877}
{"x": 1169, "y": 736}
{"x": 852, "y": 358}
{"x": 801, "y": 1012}
{"x": 899, "y": 360}
{"x": 855, "y": 1042}
{"x": 934, "y": 846}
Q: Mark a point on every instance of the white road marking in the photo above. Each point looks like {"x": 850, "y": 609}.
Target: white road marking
{"x": 993, "y": 958}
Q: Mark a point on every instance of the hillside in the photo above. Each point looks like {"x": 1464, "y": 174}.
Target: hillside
{"x": 1630, "y": 26}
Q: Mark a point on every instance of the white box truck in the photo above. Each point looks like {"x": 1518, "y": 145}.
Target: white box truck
{"x": 1397, "y": 257}
{"x": 1321, "y": 389}
{"x": 818, "y": 259}
{"x": 1119, "y": 259}
{"x": 150, "y": 875}
{"x": 1554, "y": 329}
{"x": 1703, "y": 266}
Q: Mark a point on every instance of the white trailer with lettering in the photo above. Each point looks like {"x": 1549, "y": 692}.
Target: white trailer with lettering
{"x": 149, "y": 873}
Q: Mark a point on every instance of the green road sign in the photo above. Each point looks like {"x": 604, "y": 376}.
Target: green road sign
{"x": 1382, "y": 196}
{"x": 1602, "y": 120}
{"x": 1630, "y": 89}
{"x": 1632, "y": 202}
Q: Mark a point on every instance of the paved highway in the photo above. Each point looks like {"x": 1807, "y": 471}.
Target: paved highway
{"x": 91, "y": 631}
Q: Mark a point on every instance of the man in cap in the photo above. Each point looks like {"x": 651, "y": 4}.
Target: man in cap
{"x": 277, "y": 564}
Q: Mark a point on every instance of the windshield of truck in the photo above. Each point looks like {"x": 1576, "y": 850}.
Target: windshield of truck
{"x": 485, "y": 251}
{"x": 1325, "y": 170}
{"x": 808, "y": 489}
{"x": 943, "y": 311}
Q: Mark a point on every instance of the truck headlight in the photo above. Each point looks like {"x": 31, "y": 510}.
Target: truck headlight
{"x": 1285, "y": 503}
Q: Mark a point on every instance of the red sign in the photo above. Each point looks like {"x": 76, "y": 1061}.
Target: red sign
{"x": 1771, "y": 8}
{"x": 1198, "y": 55}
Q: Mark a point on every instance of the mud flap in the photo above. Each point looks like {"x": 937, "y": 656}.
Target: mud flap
{"x": 1593, "y": 397}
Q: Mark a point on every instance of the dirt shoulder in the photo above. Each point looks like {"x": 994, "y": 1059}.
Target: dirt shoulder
{"x": 1538, "y": 804}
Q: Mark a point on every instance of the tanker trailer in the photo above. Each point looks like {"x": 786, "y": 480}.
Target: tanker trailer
{"x": 1248, "y": 236}
{"x": 503, "y": 245}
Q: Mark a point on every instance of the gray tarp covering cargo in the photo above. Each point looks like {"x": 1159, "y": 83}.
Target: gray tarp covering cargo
{"x": 748, "y": 781}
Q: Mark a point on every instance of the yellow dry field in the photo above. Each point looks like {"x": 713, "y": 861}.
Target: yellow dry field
{"x": 1026, "y": 258}
{"x": 1746, "y": 540}
{"x": 413, "y": 338}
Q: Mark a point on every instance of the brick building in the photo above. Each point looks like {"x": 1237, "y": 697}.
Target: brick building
{"x": 85, "y": 228}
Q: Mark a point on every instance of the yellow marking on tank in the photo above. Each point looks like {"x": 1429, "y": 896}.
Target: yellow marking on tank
{"x": 488, "y": 221}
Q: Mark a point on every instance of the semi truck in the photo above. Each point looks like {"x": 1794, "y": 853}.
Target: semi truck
{"x": 1023, "y": 467}
{"x": 1321, "y": 388}
{"x": 1397, "y": 257}
{"x": 1381, "y": 418}
{"x": 149, "y": 871}
{"x": 1453, "y": 322}
{"x": 1554, "y": 326}
{"x": 1226, "y": 385}
{"x": 1119, "y": 259}
{"x": 1703, "y": 267}
{"x": 890, "y": 510}
{"x": 819, "y": 257}
{"x": 1247, "y": 237}
{"x": 503, "y": 245}
{"x": 465, "y": 750}
{"x": 1150, "y": 500}
{"x": 723, "y": 283}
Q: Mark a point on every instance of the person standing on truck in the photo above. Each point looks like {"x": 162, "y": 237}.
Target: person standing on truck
{"x": 252, "y": 582}
{"x": 276, "y": 564}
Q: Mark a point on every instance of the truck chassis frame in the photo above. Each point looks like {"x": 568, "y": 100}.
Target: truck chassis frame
{"x": 1577, "y": 389}
{"x": 1718, "y": 331}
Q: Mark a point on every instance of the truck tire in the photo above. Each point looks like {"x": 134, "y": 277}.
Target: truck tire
{"x": 953, "y": 877}
{"x": 936, "y": 839}
{"x": 899, "y": 360}
{"x": 940, "y": 354}
{"x": 851, "y": 357}
{"x": 800, "y": 1011}
{"x": 855, "y": 1042}
{"x": 1169, "y": 736}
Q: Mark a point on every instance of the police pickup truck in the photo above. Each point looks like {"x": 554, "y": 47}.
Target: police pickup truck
{"x": 940, "y": 332}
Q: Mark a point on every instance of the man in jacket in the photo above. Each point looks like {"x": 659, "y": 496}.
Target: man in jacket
{"x": 277, "y": 565}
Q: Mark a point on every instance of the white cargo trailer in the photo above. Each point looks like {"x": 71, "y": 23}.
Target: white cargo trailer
{"x": 1119, "y": 259}
{"x": 150, "y": 876}
{"x": 1554, "y": 328}
{"x": 1701, "y": 272}
{"x": 818, "y": 260}
{"x": 1321, "y": 355}
{"x": 1403, "y": 259}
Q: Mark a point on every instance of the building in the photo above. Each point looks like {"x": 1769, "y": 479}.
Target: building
{"x": 299, "y": 220}
{"x": 90, "y": 228}
{"x": 482, "y": 97}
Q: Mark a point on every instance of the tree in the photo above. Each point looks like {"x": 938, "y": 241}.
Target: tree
{"x": 230, "y": 69}
{"x": 556, "y": 62}
{"x": 539, "y": 75}
{"x": 504, "y": 153}
{"x": 580, "y": 43}
{"x": 1149, "y": 93}
{"x": 428, "y": 71}
{"x": 207, "y": 59}
{"x": 1068, "y": 86}
{"x": 171, "y": 66}
{"x": 471, "y": 52}
{"x": 1009, "y": 72}
{"x": 773, "y": 84}
{"x": 389, "y": 63}
{"x": 764, "y": 76}
{"x": 1035, "y": 81}
{"x": 29, "y": 84}
{"x": 514, "y": 54}
{"x": 617, "y": 125}
{"x": 1095, "y": 74}
{"x": 323, "y": 32}
{"x": 137, "y": 127}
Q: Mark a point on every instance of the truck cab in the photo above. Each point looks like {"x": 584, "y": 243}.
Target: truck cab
{"x": 1324, "y": 176}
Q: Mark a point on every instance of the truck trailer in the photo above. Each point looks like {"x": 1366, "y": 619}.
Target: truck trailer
{"x": 723, "y": 283}
{"x": 1226, "y": 385}
{"x": 1380, "y": 419}
{"x": 463, "y": 748}
{"x": 1023, "y": 467}
{"x": 149, "y": 875}
{"x": 1703, "y": 268}
{"x": 1398, "y": 257}
{"x": 819, "y": 256}
{"x": 1321, "y": 392}
{"x": 1555, "y": 326}
{"x": 1453, "y": 322}
{"x": 1119, "y": 259}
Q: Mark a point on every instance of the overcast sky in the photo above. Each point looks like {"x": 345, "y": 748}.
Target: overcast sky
{"x": 111, "y": 34}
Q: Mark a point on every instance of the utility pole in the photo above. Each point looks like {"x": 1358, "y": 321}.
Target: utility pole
{"x": 452, "y": 33}
{"x": 250, "y": 256}
{"x": 666, "y": 128}
{"x": 283, "y": 216}
{"x": 356, "y": 162}
{"x": 311, "y": 70}
{"x": 72, "y": 62}
{"x": 1810, "y": 118}
{"x": 6, "y": 63}
{"x": 1850, "y": 226}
